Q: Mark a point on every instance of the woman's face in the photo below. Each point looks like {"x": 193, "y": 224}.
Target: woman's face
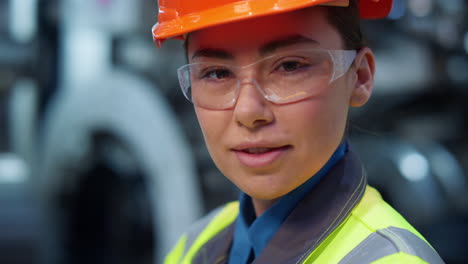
{"x": 269, "y": 149}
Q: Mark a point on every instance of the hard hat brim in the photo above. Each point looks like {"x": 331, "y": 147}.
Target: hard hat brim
{"x": 368, "y": 9}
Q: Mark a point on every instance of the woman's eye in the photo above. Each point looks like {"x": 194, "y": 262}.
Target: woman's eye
{"x": 290, "y": 66}
{"x": 217, "y": 74}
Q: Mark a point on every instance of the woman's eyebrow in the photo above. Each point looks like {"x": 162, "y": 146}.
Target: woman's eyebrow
{"x": 213, "y": 53}
{"x": 282, "y": 42}
{"x": 264, "y": 50}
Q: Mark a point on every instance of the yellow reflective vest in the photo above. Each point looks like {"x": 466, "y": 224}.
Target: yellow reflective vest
{"x": 342, "y": 220}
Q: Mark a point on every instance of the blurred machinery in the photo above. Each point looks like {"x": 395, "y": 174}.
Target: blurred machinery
{"x": 97, "y": 152}
{"x": 133, "y": 134}
{"x": 109, "y": 123}
{"x": 426, "y": 184}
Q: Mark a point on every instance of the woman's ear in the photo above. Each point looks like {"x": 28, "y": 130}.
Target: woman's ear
{"x": 364, "y": 69}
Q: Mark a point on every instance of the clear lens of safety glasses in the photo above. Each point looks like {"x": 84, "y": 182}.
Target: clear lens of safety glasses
{"x": 282, "y": 78}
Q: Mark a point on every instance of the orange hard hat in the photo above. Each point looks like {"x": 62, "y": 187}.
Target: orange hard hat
{"x": 178, "y": 17}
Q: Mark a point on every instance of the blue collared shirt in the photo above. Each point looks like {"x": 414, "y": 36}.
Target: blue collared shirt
{"x": 251, "y": 234}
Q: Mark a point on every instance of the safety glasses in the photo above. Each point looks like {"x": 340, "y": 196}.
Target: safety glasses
{"x": 282, "y": 78}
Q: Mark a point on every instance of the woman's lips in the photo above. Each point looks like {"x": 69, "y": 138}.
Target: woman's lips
{"x": 257, "y": 157}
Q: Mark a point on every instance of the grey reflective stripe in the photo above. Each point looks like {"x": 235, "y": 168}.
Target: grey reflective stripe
{"x": 216, "y": 250}
{"x": 411, "y": 244}
{"x": 389, "y": 241}
{"x": 197, "y": 228}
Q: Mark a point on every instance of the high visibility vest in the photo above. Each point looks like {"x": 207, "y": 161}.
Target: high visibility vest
{"x": 359, "y": 227}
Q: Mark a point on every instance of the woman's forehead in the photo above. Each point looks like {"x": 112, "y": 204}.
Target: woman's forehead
{"x": 311, "y": 23}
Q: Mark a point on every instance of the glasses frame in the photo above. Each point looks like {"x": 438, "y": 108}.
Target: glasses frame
{"x": 341, "y": 59}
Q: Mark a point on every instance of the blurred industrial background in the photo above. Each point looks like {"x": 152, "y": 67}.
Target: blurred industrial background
{"x": 102, "y": 160}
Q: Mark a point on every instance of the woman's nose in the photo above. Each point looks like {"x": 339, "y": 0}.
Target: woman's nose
{"x": 252, "y": 110}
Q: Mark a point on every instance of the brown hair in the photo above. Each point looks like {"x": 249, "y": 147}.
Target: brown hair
{"x": 347, "y": 21}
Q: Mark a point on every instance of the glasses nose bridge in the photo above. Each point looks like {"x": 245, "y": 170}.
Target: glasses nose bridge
{"x": 248, "y": 72}
{"x": 248, "y": 76}
{"x": 251, "y": 74}
{"x": 257, "y": 90}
